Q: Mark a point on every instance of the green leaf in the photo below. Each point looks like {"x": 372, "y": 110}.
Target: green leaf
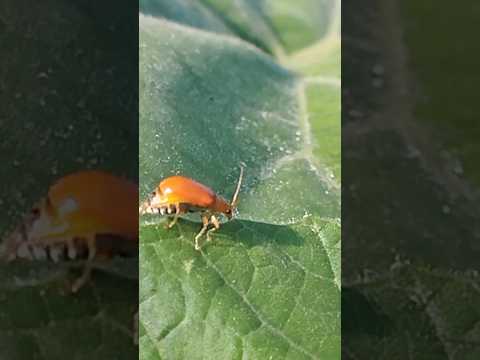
{"x": 276, "y": 26}
{"x": 267, "y": 286}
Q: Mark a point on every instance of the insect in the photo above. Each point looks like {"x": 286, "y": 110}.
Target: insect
{"x": 85, "y": 215}
{"x": 179, "y": 195}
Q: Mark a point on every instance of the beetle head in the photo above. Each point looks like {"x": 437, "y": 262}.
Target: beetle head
{"x": 230, "y": 212}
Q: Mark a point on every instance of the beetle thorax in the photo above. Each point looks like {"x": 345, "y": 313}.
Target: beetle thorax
{"x": 222, "y": 206}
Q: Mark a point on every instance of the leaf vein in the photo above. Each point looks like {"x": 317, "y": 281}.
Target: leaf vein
{"x": 272, "y": 328}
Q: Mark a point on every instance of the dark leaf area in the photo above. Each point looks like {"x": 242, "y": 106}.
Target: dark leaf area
{"x": 66, "y": 74}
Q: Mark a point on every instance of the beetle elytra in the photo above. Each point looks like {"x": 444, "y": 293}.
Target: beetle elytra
{"x": 85, "y": 215}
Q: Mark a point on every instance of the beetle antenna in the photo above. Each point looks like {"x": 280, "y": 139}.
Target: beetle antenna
{"x": 237, "y": 190}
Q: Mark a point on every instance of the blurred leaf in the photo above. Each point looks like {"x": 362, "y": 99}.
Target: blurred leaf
{"x": 268, "y": 284}
{"x": 419, "y": 304}
{"x": 56, "y": 69}
{"x": 449, "y": 112}
{"x": 415, "y": 210}
{"x": 276, "y": 26}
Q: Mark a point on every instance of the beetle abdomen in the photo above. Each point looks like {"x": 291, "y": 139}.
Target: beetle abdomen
{"x": 171, "y": 209}
{"x": 107, "y": 245}
{"x": 79, "y": 209}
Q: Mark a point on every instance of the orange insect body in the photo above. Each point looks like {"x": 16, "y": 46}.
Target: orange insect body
{"x": 178, "y": 195}
{"x": 79, "y": 214}
{"x": 183, "y": 190}
{"x": 93, "y": 202}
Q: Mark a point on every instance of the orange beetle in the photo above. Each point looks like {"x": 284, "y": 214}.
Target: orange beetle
{"x": 179, "y": 195}
{"x": 88, "y": 214}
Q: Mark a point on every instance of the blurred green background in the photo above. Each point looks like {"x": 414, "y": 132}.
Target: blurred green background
{"x": 410, "y": 181}
{"x": 68, "y": 89}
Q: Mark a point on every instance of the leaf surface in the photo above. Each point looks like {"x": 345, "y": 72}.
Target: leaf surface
{"x": 268, "y": 283}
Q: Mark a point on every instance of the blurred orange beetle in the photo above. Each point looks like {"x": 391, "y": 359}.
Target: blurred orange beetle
{"x": 179, "y": 195}
{"x": 88, "y": 214}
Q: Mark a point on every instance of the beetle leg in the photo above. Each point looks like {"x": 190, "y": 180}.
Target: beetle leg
{"x": 205, "y": 222}
{"x": 87, "y": 270}
{"x": 71, "y": 249}
{"x": 175, "y": 218}
{"x": 92, "y": 249}
{"x": 216, "y": 225}
{"x": 82, "y": 280}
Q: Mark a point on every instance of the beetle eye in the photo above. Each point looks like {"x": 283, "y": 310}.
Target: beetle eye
{"x": 35, "y": 211}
